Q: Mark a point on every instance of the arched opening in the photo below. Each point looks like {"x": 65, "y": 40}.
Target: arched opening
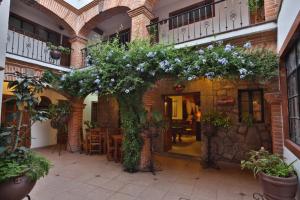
{"x": 106, "y": 24}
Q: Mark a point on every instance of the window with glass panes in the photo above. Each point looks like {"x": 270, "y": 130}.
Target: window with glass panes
{"x": 293, "y": 91}
{"x": 251, "y": 104}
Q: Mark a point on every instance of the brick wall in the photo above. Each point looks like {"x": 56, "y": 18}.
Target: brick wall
{"x": 271, "y": 9}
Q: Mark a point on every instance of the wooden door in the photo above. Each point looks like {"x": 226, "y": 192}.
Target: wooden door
{"x": 9, "y": 118}
{"x": 168, "y": 133}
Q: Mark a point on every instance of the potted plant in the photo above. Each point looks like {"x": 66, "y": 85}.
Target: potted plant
{"x": 256, "y": 8}
{"x": 60, "y": 114}
{"x": 20, "y": 167}
{"x": 57, "y": 51}
{"x": 277, "y": 178}
{"x": 212, "y": 122}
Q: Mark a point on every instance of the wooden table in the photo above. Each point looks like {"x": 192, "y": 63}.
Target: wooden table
{"x": 117, "y": 141}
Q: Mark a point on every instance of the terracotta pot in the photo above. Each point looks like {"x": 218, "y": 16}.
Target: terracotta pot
{"x": 16, "y": 188}
{"x": 276, "y": 188}
{"x": 55, "y": 54}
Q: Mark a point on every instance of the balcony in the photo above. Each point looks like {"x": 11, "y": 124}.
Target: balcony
{"x": 29, "y": 48}
{"x": 211, "y": 19}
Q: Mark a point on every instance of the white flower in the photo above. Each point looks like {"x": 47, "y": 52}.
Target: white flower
{"x": 112, "y": 80}
{"x": 63, "y": 77}
{"x": 243, "y": 72}
{"x": 220, "y": 42}
{"x": 209, "y": 75}
{"x": 228, "y": 48}
{"x": 97, "y": 81}
{"x": 223, "y": 61}
{"x": 192, "y": 77}
{"x": 164, "y": 64}
{"x": 177, "y": 60}
{"x": 235, "y": 54}
{"x": 128, "y": 65}
{"x": 201, "y": 51}
{"x": 197, "y": 67}
{"x": 210, "y": 47}
{"x": 127, "y": 91}
{"x": 81, "y": 82}
{"x": 151, "y": 54}
{"x": 152, "y": 73}
{"x": 248, "y": 45}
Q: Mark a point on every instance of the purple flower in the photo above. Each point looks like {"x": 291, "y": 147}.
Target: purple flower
{"x": 164, "y": 64}
{"x": 201, "y": 51}
{"x": 243, "y": 72}
{"x": 228, "y": 48}
{"x": 209, "y": 75}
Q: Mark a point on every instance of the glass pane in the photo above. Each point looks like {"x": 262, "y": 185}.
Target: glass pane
{"x": 292, "y": 129}
{"x": 43, "y": 34}
{"x": 291, "y": 61}
{"x": 292, "y": 85}
{"x": 14, "y": 22}
{"x": 257, "y": 105}
{"x": 297, "y": 131}
{"x": 28, "y": 27}
{"x": 53, "y": 38}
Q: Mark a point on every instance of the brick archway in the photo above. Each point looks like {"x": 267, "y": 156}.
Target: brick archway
{"x": 100, "y": 17}
{"x": 59, "y": 12}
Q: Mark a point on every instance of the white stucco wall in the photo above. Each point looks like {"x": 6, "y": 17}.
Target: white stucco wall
{"x": 42, "y": 134}
{"x": 287, "y": 16}
{"x": 87, "y": 112}
{"x": 4, "y": 14}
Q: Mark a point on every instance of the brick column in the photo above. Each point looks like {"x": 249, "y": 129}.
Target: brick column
{"x": 140, "y": 18}
{"x": 75, "y": 124}
{"x": 271, "y": 9}
{"x": 77, "y": 44}
{"x": 274, "y": 99}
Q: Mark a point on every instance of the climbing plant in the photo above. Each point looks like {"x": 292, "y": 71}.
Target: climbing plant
{"x": 128, "y": 71}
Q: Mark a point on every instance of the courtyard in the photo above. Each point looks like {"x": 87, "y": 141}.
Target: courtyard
{"x": 81, "y": 177}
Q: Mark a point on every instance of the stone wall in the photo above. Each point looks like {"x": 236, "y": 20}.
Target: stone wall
{"x": 234, "y": 143}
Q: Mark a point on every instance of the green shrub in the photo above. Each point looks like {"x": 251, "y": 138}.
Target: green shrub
{"x": 271, "y": 164}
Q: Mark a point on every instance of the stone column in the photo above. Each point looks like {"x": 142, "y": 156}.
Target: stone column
{"x": 271, "y": 9}
{"x": 140, "y": 18}
{"x": 77, "y": 44}
{"x": 274, "y": 99}
{"x": 75, "y": 124}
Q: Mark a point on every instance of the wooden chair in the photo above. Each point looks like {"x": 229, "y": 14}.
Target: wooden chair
{"x": 95, "y": 141}
{"x": 111, "y": 150}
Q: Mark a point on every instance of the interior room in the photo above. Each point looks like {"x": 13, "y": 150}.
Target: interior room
{"x": 184, "y": 114}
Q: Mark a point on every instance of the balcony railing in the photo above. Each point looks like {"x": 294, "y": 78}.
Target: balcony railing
{"x": 208, "y": 20}
{"x": 26, "y": 45}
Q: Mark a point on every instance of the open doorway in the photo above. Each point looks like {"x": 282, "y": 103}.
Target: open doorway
{"x": 184, "y": 114}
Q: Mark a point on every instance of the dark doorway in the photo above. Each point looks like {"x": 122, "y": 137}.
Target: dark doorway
{"x": 183, "y": 112}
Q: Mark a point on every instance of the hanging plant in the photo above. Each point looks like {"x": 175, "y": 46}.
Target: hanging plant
{"x": 254, "y": 5}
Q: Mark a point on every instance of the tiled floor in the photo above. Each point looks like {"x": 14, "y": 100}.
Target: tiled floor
{"x": 188, "y": 146}
{"x": 82, "y": 177}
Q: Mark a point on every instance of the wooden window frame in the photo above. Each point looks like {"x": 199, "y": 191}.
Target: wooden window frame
{"x": 121, "y": 34}
{"x": 292, "y": 35}
{"x": 250, "y": 96}
{"x": 173, "y": 16}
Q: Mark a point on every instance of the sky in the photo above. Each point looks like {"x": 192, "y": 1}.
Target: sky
{"x": 78, "y": 3}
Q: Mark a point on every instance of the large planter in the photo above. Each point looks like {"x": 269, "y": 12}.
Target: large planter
{"x": 276, "y": 188}
{"x": 16, "y": 188}
{"x": 55, "y": 54}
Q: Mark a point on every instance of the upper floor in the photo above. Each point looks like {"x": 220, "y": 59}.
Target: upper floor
{"x": 32, "y": 24}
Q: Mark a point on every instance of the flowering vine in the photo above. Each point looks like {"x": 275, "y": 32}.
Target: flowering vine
{"x": 126, "y": 72}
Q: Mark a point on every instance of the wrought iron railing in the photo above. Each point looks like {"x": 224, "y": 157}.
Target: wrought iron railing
{"x": 207, "y": 20}
{"x": 26, "y": 45}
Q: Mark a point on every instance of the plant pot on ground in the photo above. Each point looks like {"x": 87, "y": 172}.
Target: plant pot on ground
{"x": 278, "y": 179}
{"x": 20, "y": 168}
